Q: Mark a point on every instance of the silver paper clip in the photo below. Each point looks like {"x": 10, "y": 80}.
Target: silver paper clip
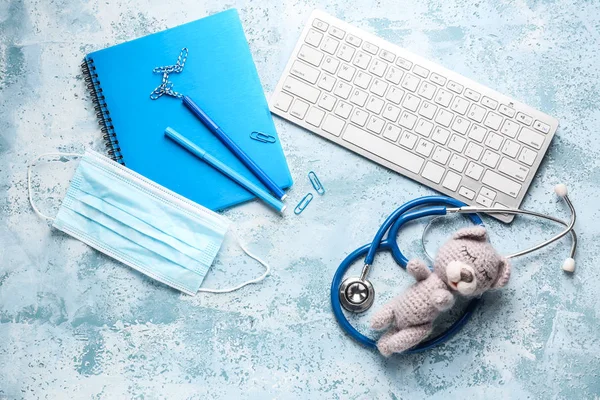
{"x": 303, "y": 204}
{"x": 316, "y": 183}
{"x": 262, "y": 137}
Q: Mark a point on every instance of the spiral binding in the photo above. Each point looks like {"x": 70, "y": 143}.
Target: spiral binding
{"x": 102, "y": 113}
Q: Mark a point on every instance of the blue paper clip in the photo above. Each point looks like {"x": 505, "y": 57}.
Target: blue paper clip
{"x": 262, "y": 137}
{"x": 303, "y": 204}
{"x": 316, "y": 183}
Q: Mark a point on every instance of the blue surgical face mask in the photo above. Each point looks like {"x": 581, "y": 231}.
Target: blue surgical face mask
{"x": 142, "y": 224}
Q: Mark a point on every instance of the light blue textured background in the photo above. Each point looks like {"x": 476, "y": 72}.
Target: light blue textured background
{"x": 75, "y": 324}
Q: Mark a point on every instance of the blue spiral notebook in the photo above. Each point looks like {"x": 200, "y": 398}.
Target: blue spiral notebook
{"x": 219, "y": 75}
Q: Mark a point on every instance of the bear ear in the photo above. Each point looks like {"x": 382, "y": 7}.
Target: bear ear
{"x": 503, "y": 273}
{"x": 474, "y": 233}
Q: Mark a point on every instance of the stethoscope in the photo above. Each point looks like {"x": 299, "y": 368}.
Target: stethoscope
{"x": 356, "y": 294}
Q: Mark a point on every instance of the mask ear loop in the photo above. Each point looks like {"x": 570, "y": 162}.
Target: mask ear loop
{"x": 256, "y": 280}
{"x": 29, "y": 190}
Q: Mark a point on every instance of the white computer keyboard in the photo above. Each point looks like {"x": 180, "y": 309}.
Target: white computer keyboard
{"x": 412, "y": 115}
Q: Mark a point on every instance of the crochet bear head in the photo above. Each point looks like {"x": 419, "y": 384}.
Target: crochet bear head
{"x": 469, "y": 264}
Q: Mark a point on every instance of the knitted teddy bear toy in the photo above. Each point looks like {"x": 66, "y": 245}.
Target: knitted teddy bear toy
{"x": 467, "y": 265}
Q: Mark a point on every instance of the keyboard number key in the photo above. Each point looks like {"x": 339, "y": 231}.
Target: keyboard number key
{"x": 394, "y": 75}
{"x": 427, "y": 90}
{"x": 315, "y": 116}
{"x": 451, "y": 181}
{"x": 333, "y": 125}
{"x": 362, "y": 60}
{"x": 476, "y": 113}
{"x": 378, "y": 68}
{"x": 443, "y": 98}
{"x": 410, "y": 82}
{"x": 433, "y": 172}
{"x": 460, "y": 105}
{"x": 283, "y": 101}
{"x": 313, "y": 37}
{"x": 346, "y": 52}
{"x": 330, "y": 45}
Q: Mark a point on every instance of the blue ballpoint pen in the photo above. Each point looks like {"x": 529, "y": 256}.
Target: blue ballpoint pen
{"x": 234, "y": 148}
{"x": 224, "y": 169}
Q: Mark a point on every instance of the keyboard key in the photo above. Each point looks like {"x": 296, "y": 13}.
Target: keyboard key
{"x": 489, "y": 193}
{"x": 337, "y": 32}
{"x": 347, "y": 72}
{"x": 489, "y": 103}
{"x": 301, "y": 89}
{"x": 484, "y": 201}
{"x": 433, "y": 172}
{"x": 531, "y": 138}
{"x": 425, "y": 147}
{"x": 473, "y": 151}
{"x": 437, "y": 79}
{"x": 359, "y": 97}
{"x": 378, "y": 68}
{"x": 305, "y": 72}
{"x": 370, "y": 47}
{"x": 343, "y": 109}
{"x": 333, "y": 125}
{"x": 330, "y": 45}
{"x": 375, "y": 105}
{"x": 513, "y": 169}
{"x": 509, "y": 128}
{"x": 402, "y": 63}
{"x": 455, "y": 87}
{"x": 362, "y": 80}
{"x": 310, "y": 55}
{"x": 378, "y": 87}
{"x": 527, "y": 156}
{"x": 342, "y": 90}
{"x": 394, "y": 75}
{"x": 466, "y": 193}
{"x": 359, "y": 116}
{"x": 299, "y": 109}
{"x": 408, "y": 140}
{"x": 460, "y": 105}
{"x": 346, "y": 52}
{"x": 494, "y": 141}
{"x": 460, "y": 125}
{"x": 362, "y": 60}
{"x": 441, "y": 155}
{"x": 353, "y": 40}
{"x": 315, "y": 116}
{"x": 327, "y": 102}
{"x": 474, "y": 171}
{"x": 313, "y": 37}
{"x": 391, "y": 112}
{"x": 330, "y": 65}
{"x": 421, "y": 71}
{"x": 493, "y": 121}
{"x": 444, "y": 117}
{"x": 510, "y": 148}
{"x": 387, "y": 56}
{"x": 427, "y": 90}
{"x": 477, "y": 133}
{"x": 440, "y": 135}
{"x": 472, "y": 95}
{"x": 457, "y": 143}
{"x": 411, "y": 102}
{"x": 375, "y": 124}
{"x": 506, "y": 110}
{"x": 386, "y": 150}
{"x": 410, "y": 82}
{"x": 451, "y": 181}
{"x": 326, "y": 82}
{"x": 542, "y": 127}
{"x": 394, "y": 95}
{"x": 457, "y": 163}
{"x": 443, "y": 98}
{"x": 501, "y": 183}
{"x": 427, "y": 110}
{"x": 490, "y": 158}
{"x": 283, "y": 101}
{"x": 476, "y": 113}
{"x": 391, "y": 132}
{"x": 407, "y": 120}
{"x": 424, "y": 127}
{"x": 321, "y": 25}
{"x": 524, "y": 118}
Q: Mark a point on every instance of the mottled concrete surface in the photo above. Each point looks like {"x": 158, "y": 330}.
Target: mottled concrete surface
{"x": 75, "y": 324}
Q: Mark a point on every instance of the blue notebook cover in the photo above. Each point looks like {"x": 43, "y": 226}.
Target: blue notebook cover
{"x": 219, "y": 75}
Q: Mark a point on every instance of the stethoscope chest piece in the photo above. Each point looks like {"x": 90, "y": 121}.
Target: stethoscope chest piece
{"x": 356, "y": 294}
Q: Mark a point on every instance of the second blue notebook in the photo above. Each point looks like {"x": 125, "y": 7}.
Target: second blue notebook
{"x": 219, "y": 75}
